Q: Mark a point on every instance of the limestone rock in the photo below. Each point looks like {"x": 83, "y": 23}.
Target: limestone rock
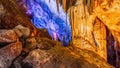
{"x": 99, "y": 35}
{"x": 24, "y": 30}
{"x": 60, "y": 57}
{"x": 46, "y": 44}
{"x": 9, "y": 53}
{"x": 66, "y": 4}
{"x": 17, "y": 62}
{"x": 30, "y": 44}
{"x": 37, "y": 58}
{"x": 82, "y": 26}
{"x": 18, "y": 32}
{"x": 12, "y": 15}
{"x": 88, "y": 21}
{"x": 44, "y": 33}
{"x": 7, "y": 36}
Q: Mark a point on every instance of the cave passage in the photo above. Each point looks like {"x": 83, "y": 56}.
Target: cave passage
{"x": 45, "y": 14}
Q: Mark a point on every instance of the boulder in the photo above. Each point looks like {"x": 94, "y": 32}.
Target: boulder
{"x": 18, "y": 32}
{"x": 36, "y": 59}
{"x": 24, "y": 30}
{"x": 7, "y": 36}
{"x": 9, "y": 53}
{"x": 17, "y": 63}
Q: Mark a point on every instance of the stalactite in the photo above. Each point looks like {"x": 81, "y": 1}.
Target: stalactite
{"x": 66, "y": 4}
{"x": 58, "y": 2}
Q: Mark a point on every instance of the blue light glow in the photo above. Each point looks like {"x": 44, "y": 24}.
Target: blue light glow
{"x": 45, "y": 15}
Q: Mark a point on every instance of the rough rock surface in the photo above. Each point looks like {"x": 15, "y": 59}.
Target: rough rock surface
{"x": 61, "y": 57}
{"x": 30, "y": 44}
{"x": 85, "y": 30}
{"x": 92, "y": 21}
{"x": 50, "y": 54}
{"x": 12, "y": 15}
{"x": 44, "y": 33}
{"x": 9, "y": 53}
{"x": 24, "y": 30}
{"x": 87, "y": 50}
{"x": 7, "y": 36}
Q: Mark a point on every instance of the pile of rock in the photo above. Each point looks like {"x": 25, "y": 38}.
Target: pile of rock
{"x": 10, "y": 46}
{"x": 12, "y": 43}
{"x": 19, "y": 50}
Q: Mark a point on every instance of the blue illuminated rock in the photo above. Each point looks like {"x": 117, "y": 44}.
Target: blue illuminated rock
{"x": 45, "y": 15}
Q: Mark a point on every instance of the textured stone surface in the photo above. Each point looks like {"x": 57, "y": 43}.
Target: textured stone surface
{"x": 7, "y": 36}
{"x": 88, "y": 34}
{"x": 37, "y": 58}
{"x": 82, "y": 23}
{"x": 44, "y": 33}
{"x": 99, "y": 33}
{"x": 89, "y": 21}
{"x": 9, "y": 53}
{"x": 46, "y": 44}
{"x": 12, "y": 15}
{"x": 24, "y": 30}
{"x": 30, "y": 44}
{"x": 108, "y": 13}
{"x": 60, "y": 57}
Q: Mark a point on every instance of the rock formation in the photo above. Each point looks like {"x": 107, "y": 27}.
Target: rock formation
{"x": 90, "y": 20}
{"x": 12, "y": 15}
{"x": 95, "y": 36}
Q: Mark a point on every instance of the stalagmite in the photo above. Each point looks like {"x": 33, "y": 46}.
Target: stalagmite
{"x": 82, "y": 26}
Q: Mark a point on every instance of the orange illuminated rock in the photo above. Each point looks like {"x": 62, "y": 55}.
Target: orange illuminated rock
{"x": 7, "y": 36}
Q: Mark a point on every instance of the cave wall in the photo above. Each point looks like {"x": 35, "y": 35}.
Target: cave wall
{"x": 88, "y": 32}
{"x": 12, "y": 15}
{"x": 89, "y": 21}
